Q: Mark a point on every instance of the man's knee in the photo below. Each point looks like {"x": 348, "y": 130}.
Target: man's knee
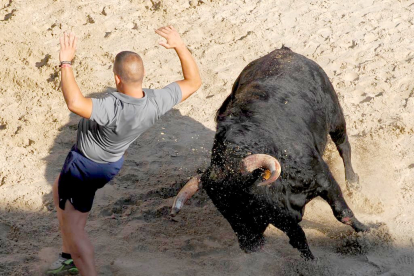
{"x": 73, "y": 234}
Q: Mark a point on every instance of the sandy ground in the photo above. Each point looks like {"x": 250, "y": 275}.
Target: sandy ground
{"x": 366, "y": 48}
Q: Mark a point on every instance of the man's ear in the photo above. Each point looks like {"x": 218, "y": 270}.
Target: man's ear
{"x": 117, "y": 79}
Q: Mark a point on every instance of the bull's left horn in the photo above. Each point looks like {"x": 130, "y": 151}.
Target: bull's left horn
{"x": 264, "y": 161}
{"x": 185, "y": 194}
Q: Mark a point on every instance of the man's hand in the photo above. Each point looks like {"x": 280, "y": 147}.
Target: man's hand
{"x": 192, "y": 80}
{"x": 171, "y": 35}
{"x": 67, "y": 46}
{"x": 74, "y": 99}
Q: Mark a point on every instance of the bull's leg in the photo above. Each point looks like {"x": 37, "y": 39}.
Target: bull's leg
{"x": 250, "y": 238}
{"x": 250, "y": 243}
{"x": 296, "y": 236}
{"x": 333, "y": 195}
{"x": 340, "y": 139}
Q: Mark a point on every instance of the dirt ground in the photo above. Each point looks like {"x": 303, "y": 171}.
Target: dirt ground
{"x": 366, "y": 48}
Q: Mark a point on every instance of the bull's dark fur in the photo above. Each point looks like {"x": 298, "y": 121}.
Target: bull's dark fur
{"x": 283, "y": 105}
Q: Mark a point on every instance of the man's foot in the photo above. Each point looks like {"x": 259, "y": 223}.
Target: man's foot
{"x": 62, "y": 267}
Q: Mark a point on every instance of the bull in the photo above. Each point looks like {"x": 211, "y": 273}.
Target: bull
{"x": 266, "y": 161}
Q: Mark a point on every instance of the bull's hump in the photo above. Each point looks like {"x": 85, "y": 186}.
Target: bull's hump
{"x": 276, "y": 63}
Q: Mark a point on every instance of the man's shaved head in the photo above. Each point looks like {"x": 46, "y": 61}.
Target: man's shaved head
{"x": 129, "y": 67}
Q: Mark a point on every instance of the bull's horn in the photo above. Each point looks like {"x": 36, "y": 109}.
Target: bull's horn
{"x": 185, "y": 194}
{"x": 264, "y": 161}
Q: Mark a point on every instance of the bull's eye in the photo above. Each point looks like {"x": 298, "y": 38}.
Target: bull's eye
{"x": 266, "y": 174}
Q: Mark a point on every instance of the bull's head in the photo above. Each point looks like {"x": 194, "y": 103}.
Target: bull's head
{"x": 269, "y": 164}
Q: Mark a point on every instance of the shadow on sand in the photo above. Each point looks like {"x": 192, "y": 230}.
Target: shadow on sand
{"x": 133, "y": 234}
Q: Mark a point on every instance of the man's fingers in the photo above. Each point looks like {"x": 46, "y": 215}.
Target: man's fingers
{"x": 161, "y": 33}
{"x": 69, "y": 42}
{"x": 67, "y": 39}
{"x": 165, "y": 30}
{"x": 71, "y": 39}
{"x": 170, "y": 34}
{"x": 166, "y": 45}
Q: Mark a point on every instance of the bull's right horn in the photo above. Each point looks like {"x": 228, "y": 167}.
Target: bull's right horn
{"x": 185, "y": 194}
{"x": 264, "y": 161}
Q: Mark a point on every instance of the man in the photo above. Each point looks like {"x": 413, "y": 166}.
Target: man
{"x": 109, "y": 125}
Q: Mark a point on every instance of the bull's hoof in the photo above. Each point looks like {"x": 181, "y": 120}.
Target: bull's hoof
{"x": 371, "y": 226}
{"x": 352, "y": 177}
{"x": 354, "y": 223}
{"x": 352, "y": 183}
{"x": 360, "y": 227}
{"x": 252, "y": 246}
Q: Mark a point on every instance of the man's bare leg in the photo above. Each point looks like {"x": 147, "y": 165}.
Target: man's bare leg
{"x": 74, "y": 238}
{"x": 65, "y": 247}
{"x": 74, "y": 234}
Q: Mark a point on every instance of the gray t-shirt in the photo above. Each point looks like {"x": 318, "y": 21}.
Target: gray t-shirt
{"x": 117, "y": 120}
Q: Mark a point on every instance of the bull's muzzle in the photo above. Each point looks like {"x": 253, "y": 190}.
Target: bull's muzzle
{"x": 249, "y": 164}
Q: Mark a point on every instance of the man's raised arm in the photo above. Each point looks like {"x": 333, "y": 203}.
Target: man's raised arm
{"x": 75, "y": 101}
{"x": 192, "y": 80}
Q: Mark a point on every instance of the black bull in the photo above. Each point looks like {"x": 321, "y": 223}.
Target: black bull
{"x": 276, "y": 121}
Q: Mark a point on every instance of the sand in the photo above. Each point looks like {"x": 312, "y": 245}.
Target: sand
{"x": 366, "y": 48}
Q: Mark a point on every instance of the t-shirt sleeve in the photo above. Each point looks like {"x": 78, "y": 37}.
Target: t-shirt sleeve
{"x": 167, "y": 97}
{"x": 103, "y": 110}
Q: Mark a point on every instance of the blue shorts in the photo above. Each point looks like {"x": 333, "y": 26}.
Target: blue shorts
{"x": 81, "y": 177}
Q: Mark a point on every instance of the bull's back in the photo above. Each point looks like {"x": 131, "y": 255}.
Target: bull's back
{"x": 286, "y": 93}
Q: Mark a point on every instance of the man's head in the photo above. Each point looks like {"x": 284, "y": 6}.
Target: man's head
{"x": 128, "y": 69}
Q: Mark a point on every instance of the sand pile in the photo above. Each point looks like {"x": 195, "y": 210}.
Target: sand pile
{"x": 366, "y": 48}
